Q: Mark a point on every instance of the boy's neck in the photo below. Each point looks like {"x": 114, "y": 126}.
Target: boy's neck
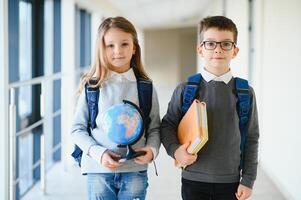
{"x": 217, "y": 72}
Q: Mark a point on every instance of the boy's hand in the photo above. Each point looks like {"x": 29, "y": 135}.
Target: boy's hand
{"x": 243, "y": 192}
{"x": 146, "y": 158}
{"x": 183, "y": 157}
{"x": 109, "y": 160}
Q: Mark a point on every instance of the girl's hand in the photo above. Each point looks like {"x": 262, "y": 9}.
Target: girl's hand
{"x": 109, "y": 160}
{"x": 145, "y": 158}
{"x": 183, "y": 157}
{"x": 243, "y": 192}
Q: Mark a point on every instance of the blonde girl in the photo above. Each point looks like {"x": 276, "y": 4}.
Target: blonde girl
{"x": 117, "y": 63}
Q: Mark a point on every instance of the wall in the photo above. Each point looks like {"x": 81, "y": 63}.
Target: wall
{"x": 238, "y": 12}
{"x": 188, "y": 51}
{"x": 68, "y": 81}
{"x": 281, "y": 95}
{"x": 4, "y": 134}
{"x": 165, "y": 61}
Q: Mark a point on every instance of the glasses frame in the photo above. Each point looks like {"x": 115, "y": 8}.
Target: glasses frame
{"x": 220, "y": 44}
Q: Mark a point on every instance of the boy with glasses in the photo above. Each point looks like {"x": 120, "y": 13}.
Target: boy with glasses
{"x": 215, "y": 173}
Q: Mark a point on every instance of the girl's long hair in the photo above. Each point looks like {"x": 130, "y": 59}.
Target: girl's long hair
{"x": 98, "y": 72}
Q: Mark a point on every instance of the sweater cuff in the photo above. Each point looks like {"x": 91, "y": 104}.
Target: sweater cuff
{"x": 172, "y": 149}
{"x": 247, "y": 182}
{"x": 96, "y": 152}
{"x": 155, "y": 152}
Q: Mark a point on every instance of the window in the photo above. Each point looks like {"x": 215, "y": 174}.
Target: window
{"x": 83, "y": 20}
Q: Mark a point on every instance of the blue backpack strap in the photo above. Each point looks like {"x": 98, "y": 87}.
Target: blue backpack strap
{"x": 243, "y": 109}
{"x": 145, "y": 93}
{"x": 190, "y": 91}
{"x": 92, "y": 96}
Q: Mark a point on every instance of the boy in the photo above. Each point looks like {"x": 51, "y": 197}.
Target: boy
{"x": 215, "y": 172}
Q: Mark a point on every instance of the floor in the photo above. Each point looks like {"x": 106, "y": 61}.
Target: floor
{"x": 70, "y": 185}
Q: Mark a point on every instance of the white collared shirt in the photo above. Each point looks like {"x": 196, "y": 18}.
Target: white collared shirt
{"x": 119, "y": 77}
{"x": 211, "y": 77}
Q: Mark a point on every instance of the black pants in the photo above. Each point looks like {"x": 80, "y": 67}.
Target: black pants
{"x": 194, "y": 190}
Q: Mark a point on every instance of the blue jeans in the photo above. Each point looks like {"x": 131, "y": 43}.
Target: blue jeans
{"x": 117, "y": 186}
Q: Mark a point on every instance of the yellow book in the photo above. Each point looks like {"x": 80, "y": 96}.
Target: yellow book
{"x": 193, "y": 127}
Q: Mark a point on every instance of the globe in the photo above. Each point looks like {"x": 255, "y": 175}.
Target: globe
{"x": 123, "y": 123}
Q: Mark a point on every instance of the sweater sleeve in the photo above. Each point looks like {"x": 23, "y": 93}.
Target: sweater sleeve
{"x": 249, "y": 171}
{"x": 79, "y": 131}
{"x": 171, "y": 121}
{"x": 153, "y": 134}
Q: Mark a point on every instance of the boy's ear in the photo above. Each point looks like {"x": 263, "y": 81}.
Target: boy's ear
{"x": 199, "y": 50}
{"x": 236, "y": 50}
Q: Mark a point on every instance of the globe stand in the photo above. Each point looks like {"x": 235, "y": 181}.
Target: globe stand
{"x": 131, "y": 154}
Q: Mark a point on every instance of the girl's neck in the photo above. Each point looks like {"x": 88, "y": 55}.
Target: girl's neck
{"x": 121, "y": 70}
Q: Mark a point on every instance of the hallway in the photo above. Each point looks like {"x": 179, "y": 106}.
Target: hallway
{"x": 45, "y": 46}
{"x": 67, "y": 183}
{"x": 70, "y": 185}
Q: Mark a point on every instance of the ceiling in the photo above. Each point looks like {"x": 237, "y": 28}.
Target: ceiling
{"x": 149, "y": 14}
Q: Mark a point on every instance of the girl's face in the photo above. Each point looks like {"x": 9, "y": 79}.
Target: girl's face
{"x": 119, "y": 48}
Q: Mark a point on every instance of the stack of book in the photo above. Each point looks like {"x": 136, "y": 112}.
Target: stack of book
{"x": 193, "y": 127}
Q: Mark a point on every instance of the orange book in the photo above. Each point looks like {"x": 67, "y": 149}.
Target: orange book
{"x": 193, "y": 127}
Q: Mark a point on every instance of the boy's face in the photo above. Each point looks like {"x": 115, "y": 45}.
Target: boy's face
{"x": 217, "y": 59}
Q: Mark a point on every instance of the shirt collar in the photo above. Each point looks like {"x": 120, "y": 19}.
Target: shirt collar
{"x": 128, "y": 75}
{"x": 211, "y": 77}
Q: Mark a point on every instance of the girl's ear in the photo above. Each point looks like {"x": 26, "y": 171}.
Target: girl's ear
{"x": 236, "y": 50}
{"x": 134, "y": 50}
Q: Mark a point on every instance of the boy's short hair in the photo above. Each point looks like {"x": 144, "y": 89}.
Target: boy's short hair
{"x": 220, "y": 22}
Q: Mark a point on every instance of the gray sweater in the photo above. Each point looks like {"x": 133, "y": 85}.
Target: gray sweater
{"x": 115, "y": 89}
{"x": 218, "y": 161}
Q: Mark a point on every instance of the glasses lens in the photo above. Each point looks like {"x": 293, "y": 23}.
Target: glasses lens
{"x": 210, "y": 45}
{"x": 226, "y": 45}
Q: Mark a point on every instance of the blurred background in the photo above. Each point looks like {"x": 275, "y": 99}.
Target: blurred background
{"x": 45, "y": 45}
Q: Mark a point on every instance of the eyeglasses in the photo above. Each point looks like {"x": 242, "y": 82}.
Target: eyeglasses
{"x": 211, "y": 45}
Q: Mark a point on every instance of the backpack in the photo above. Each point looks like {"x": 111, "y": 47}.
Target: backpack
{"x": 145, "y": 90}
{"x": 242, "y": 106}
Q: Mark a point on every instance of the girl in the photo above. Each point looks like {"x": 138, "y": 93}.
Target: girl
{"x": 116, "y": 64}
